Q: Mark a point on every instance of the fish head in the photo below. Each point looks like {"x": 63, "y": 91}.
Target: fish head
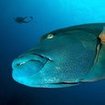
{"x": 60, "y": 60}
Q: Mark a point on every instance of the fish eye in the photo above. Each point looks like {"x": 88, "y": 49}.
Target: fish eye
{"x": 50, "y": 36}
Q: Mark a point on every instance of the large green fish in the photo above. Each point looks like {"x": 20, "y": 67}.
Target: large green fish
{"x": 64, "y": 58}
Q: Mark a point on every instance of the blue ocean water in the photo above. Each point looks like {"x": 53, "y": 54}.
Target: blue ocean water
{"x": 17, "y": 38}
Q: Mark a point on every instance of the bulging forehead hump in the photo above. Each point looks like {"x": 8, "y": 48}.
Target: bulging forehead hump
{"x": 70, "y": 38}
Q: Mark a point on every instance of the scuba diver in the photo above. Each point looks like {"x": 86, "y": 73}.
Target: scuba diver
{"x": 22, "y": 20}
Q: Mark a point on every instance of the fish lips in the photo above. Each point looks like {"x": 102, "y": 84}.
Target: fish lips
{"x": 29, "y": 64}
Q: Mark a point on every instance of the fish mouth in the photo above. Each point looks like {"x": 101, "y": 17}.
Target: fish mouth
{"x": 30, "y": 58}
{"x": 29, "y": 64}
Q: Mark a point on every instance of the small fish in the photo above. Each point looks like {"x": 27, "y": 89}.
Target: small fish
{"x": 64, "y": 58}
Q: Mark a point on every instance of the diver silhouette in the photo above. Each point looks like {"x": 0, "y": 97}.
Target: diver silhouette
{"x": 22, "y": 20}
